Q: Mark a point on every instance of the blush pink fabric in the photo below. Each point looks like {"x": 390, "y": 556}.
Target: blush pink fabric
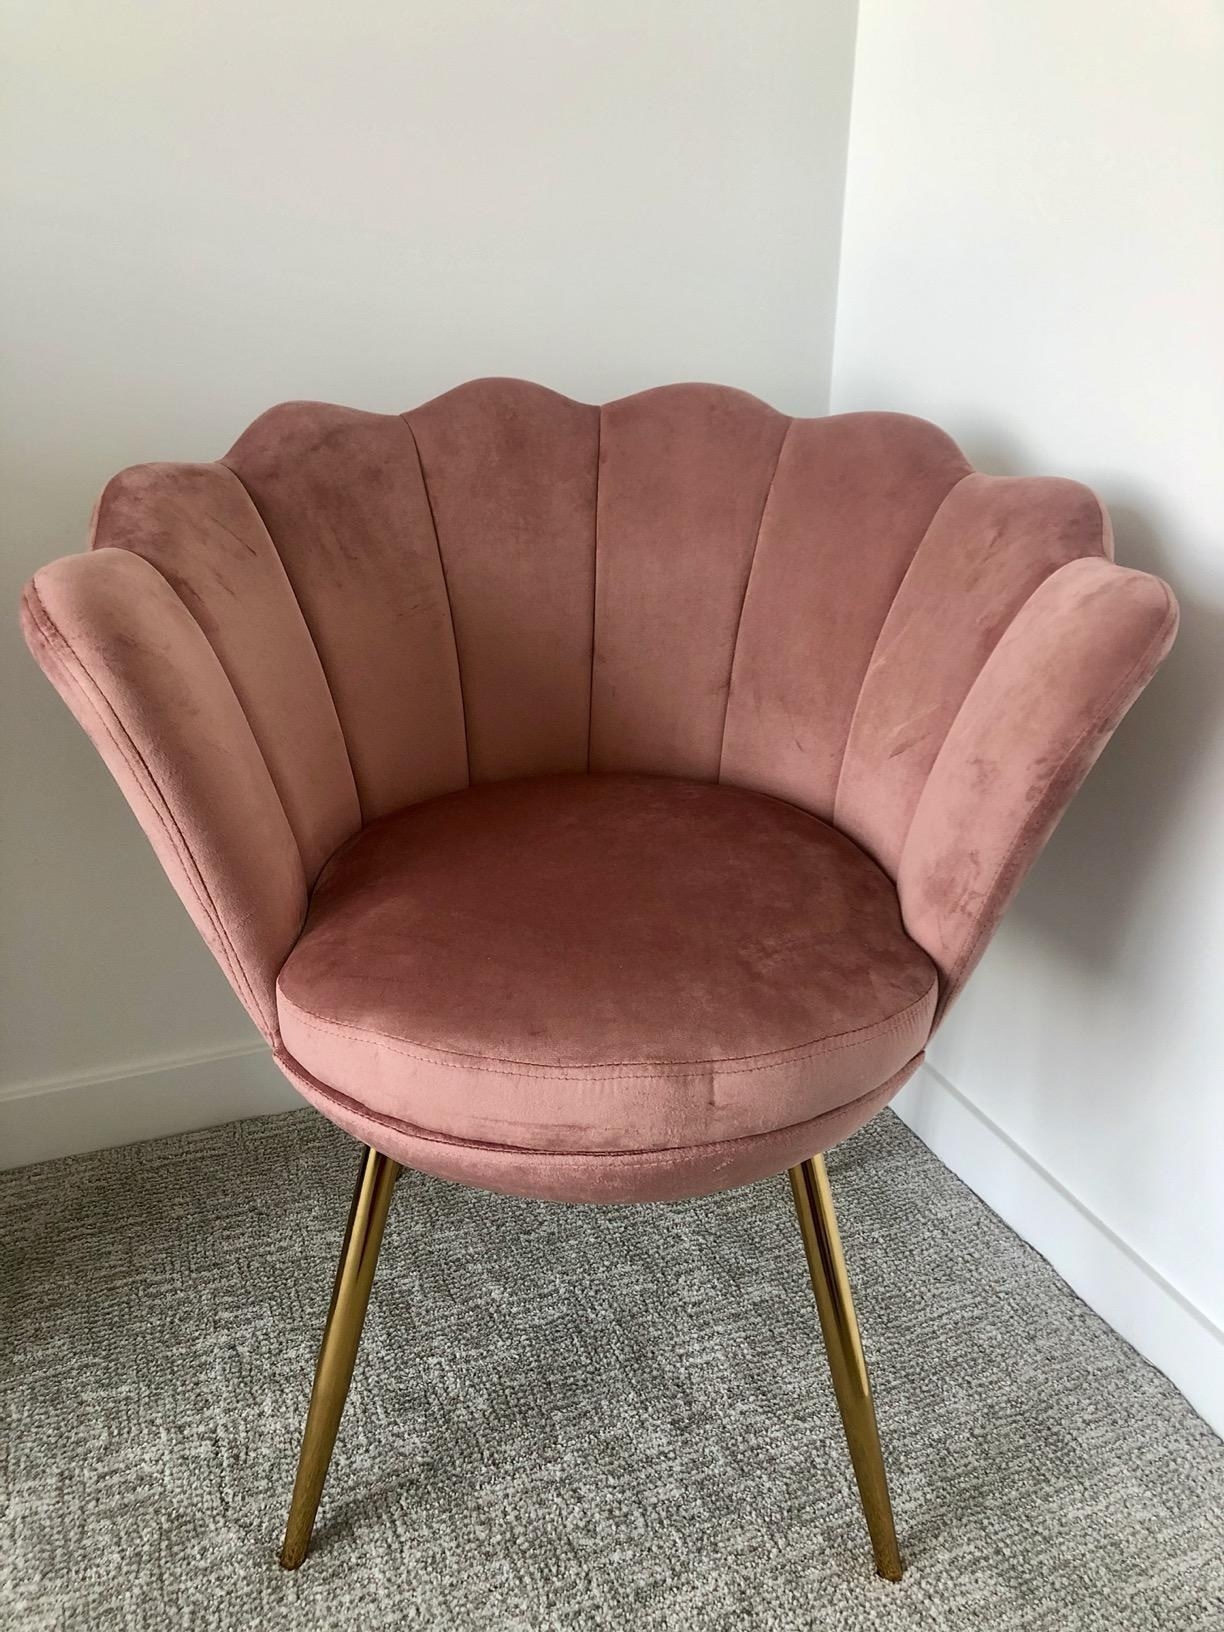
{"x": 590, "y": 963}
{"x": 456, "y": 732}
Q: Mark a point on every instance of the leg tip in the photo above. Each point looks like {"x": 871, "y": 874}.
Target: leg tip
{"x": 891, "y": 1567}
{"x": 292, "y": 1554}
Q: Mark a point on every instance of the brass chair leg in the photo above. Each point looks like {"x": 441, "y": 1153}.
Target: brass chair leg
{"x": 822, "y": 1243}
{"x": 338, "y": 1351}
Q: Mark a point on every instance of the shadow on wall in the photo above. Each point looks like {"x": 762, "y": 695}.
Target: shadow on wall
{"x": 1101, "y": 869}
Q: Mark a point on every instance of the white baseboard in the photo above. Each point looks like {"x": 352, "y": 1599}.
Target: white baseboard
{"x": 1111, "y": 1277}
{"x": 42, "y": 1120}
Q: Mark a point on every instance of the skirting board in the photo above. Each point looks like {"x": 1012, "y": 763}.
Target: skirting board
{"x": 44, "y": 1120}
{"x": 1125, "y": 1290}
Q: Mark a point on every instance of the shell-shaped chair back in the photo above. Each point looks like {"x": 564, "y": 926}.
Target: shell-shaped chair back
{"x": 351, "y": 612}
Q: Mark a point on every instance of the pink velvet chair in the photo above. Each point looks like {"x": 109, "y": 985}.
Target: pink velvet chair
{"x": 599, "y": 804}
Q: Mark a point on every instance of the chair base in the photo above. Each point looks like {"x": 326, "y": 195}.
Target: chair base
{"x": 351, "y": 1296}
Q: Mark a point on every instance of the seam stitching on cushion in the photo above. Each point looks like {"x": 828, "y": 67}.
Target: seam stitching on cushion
{"x": 310, "y": 635}
{"x": 1005, "y": 872}
{"x": 724, "y": 1066}
{"x": 450, "y": 605}
{"x": 739, "y": 622}
{"x": 292, "y": 1069}
{"x": 594, "y": 584}
{"x": 75, "y": 671}
{"x": 875, "y": 645}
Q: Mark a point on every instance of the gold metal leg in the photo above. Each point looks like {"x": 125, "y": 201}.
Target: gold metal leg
{"x": 822, "y": 1243}
{"x": 338, "y": 1351}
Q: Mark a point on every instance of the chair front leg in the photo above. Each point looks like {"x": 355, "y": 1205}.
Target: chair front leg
{"x": 338, "y": 1351}
{"x": 822, "y": 1243}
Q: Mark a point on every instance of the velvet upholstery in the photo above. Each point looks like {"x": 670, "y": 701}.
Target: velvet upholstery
{"x": 596, "y": 963}
{"x": 851, "y": 502}
{"x": 1045, "y": 703}
{"x": 511, "y": 472}
{"x": 138, "y": 672}
{"x": 683, "y": 479}
{"x": 197, "y": 527}
{"x": 667, "y": 1174}
{"x": 391, "y": 670}
{"x": 343, "y": 495}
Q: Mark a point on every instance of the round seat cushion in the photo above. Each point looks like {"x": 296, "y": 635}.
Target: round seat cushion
{"x": 657, "y": 974}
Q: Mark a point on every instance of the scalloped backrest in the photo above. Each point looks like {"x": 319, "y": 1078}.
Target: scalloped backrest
{"x": 506, "y": 583}
{"x": 357, "y": 611}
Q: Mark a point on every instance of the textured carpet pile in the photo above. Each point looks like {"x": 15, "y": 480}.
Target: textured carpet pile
{"x": 568, "y": 1417}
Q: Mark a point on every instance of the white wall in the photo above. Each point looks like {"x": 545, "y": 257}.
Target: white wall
{"x": 213, "y": 207}
{"x": 1033, "y": 256}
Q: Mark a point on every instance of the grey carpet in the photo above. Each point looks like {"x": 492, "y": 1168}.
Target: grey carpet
{"x": 569, "y": 1417}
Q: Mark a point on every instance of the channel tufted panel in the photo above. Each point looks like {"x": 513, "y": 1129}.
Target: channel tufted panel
{"x": 993, "y": 541}
{"x": 684, "y": 473}
{"x": 197, "y": 526}
{"x": 1047, "y": 699}
{"x": 343, "y": 498}
{"x": 135, "y": 668}
{"x": 510, "y": 472}
{"x": 851, "y": 500}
